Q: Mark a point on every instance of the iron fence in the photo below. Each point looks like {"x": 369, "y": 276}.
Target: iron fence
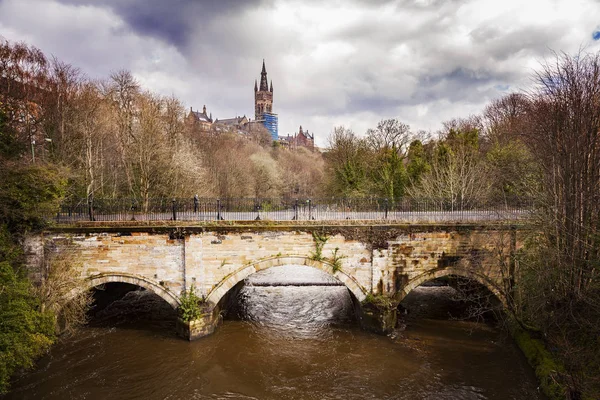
{"x": 281, "y": 209}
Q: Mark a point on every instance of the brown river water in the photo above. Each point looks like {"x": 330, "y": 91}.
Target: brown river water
{"x": 281, "y": 342}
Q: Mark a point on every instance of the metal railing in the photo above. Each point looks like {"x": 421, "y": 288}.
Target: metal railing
{"x": 281, "y": 209}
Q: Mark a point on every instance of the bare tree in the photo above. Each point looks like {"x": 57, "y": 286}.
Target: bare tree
{"x": 267, "y": 177}
{"x": 511, "y": 163}
{"x": 457, "y": 178}
{"x": 63, "y": 292}
{"x": 390, "y": 134}
{"x": 23, "y": 84}
{"x": 122, "y": 90}
{"x": 561, "y": 274}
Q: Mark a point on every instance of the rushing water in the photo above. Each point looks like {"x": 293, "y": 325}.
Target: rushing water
{"x": 293, "y": 342}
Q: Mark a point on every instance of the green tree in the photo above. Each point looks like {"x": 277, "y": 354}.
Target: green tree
{"x": 28, "y": 194}
{"x": 25, "y": 331}
{"x": 388, "y": 144}
{"x": 389, "y": 174}
{"x": 10, "y": 147}
{"x": 417, "y": 161}
{"x": 347, "y": 161}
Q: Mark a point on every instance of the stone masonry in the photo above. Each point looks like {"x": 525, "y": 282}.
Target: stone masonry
{"x": 388, "y": 260}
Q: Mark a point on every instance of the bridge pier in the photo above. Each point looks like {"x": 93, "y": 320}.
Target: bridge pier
{"x": 377, "y": 314}
{"x": 205, "y": 325}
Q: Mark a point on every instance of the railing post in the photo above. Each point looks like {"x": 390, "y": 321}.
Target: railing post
{"x": 309, "y": 210}
{"x": 219, "y": 217}
{"x": 90, "y": 210}
{"x": 295, "y": 211}
{"x": 174, "y": 210}
{"x": 196, "y": 201}
{"x": 386, "y": 204}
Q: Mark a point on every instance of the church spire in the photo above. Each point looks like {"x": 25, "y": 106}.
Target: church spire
{"x": 264, "y": 86}
{"x": 263, "y": 96}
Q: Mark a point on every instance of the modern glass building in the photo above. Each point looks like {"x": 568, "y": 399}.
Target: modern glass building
{"x": 271, "y": 122}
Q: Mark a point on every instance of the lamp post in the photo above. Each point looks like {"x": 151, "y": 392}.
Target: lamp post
{"x": 133, "y": 207}
{"x": 257, "y": 209}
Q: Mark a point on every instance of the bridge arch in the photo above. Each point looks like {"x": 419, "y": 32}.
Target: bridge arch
{"x": 440, "y": 273}
{"x": 121, "y": 277}
{"x": 221, "y": 289}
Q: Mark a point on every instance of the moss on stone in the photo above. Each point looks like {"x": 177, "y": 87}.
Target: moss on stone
{"x": 378, "y": 300}
{"x": 547, "y": 369}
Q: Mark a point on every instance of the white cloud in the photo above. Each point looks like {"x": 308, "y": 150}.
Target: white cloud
{"x": 350, "y": 63}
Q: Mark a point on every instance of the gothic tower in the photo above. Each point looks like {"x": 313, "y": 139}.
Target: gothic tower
{"x": 263, "y": 96}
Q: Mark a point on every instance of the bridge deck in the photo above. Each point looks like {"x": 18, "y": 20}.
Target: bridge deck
{"x": 190, "y": 227}
{"x": 281, "y": 216}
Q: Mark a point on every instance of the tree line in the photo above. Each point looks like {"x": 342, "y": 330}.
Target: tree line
{"x": 470, "y": 160}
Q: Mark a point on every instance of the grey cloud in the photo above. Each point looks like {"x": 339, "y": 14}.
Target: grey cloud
{"x": 461, "y": 84}
{"x": 171, "y": 21}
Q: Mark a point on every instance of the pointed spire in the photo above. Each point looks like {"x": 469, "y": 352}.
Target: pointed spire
{"x": 204, "y": 109}
{"x": 271, "y": 86}
{"x": 264, "y": 86}
{"x": 255, "y": 86}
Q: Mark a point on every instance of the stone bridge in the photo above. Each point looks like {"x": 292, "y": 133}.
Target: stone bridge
{"x": 374, "y": 261}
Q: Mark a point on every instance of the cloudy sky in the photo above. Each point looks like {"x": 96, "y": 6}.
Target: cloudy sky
{"x": 348, "y": 62}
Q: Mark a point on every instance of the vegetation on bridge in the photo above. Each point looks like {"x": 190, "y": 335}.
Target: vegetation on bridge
{"x": 189, "y": 307}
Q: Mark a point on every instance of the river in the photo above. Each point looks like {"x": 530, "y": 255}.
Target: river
{"x": 280, "y": 342}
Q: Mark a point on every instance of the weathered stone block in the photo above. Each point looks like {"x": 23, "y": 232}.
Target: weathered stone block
{"x": 203, "y": 326}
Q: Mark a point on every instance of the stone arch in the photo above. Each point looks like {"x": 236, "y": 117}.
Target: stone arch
{"x": 440, "y": 273}
{"x": 146, "y": 283}
{"x": 220, "y": 289}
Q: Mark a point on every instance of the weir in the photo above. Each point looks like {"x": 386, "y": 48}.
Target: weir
{"x": 378, "y": 263}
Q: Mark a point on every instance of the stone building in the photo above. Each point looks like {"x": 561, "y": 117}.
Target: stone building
{"x": 199, "y": 120}
{"x": 263, "y": 114}
{"x": 300, "y": 139}
{"x": 238, "y": 124}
